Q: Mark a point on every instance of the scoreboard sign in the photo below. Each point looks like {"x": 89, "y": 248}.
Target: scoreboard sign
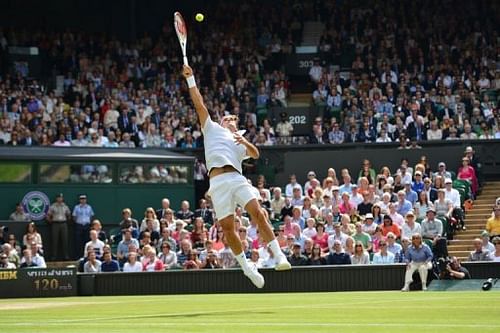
{"x": 300, "y": 117}
{"x": 38, "y": 283}
{"x": 300, "y": 64}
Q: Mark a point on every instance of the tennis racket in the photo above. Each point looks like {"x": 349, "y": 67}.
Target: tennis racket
{"x": 181, "y": 31}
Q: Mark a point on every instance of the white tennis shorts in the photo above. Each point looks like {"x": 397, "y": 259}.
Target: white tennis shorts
{"x": 229, "y": 189}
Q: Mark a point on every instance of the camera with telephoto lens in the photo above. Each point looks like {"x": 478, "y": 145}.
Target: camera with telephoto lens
{"x": 3, "y": 229}
{"x": 442, "y": 264}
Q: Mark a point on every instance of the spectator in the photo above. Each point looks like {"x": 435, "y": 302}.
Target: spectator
{"x": 410, "y": 227}
{"x": 124, "y": 245}
{"x": 165, "y": 237}
{"x": 442, "y": 171}
{"x": 432, "y": 229}
{"x": 164, "y": 210}
{"x": 32, "y": 235}
{"x": 150, "y": 262}
{"x": 316, "y": 258}
{"x": 289, "y": 189}
{"x": 410, "y": 194}
{"x": 383, "y": 256}
{"x": 365, "y": 207}
{"x": 296, "y": 258}
{"x": 95, "y": 244}
{"x": 204, "y": 212}
{"x": 185, "y": 214}
{"x": 479, "y": 254}
{"x": 388, "y": 226}
{"x": 108, "y": 264}
{"x": 132, "y": 265}
{"x": 5, "y": 263}
{"x": 493, "y": 223}
{"x": 27, "y": 259}
{"x": 422, "y": 205}
{"x": 128, "y": 222}
{"x": 418, "y": 258}
{"x": 467, "y": 172}
{"x": 11, "y": 254}
{"x": 495, "y": 255}
{"x": 337, "y": 256}
{"x": 487, "y": 245}
{"x": 19, "y": 214}
{"x": 405, "y": 243}
{"x": 93, "y": 265}
{"x": 150, "y": 215}
{"x": 335, "y": 135}
{"x": 443, "y": 206}
{"x": 101, "y": 234}
{"x": 211, "y": 261}
{"x": 310, "y": 230}
{"x": 360, "y": 255}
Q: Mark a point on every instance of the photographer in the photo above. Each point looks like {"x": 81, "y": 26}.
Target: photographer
{"x": 453, "y": 270}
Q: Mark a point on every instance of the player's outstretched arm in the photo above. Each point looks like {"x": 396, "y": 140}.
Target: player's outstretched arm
{"x": 252, "y": 150}
{"x": 200, "y": 107}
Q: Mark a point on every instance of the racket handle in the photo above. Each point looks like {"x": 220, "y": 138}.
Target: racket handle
{"x": 185, "y": 61}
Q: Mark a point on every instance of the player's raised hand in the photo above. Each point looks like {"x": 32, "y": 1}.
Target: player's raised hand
{"x": 187, "y": 71}
{"x": 239, "y": 139}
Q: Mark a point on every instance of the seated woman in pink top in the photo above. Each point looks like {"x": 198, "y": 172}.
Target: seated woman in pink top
{"x": 467, "y": 172}
{"x": 346, "y": 204}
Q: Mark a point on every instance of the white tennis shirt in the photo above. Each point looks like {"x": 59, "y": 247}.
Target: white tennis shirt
{"x": 220, "y": 147}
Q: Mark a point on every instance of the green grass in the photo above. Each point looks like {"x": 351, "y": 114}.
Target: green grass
{"x": 301, "y": 312}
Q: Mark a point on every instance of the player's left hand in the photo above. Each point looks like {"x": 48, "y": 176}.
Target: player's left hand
{"x": 239, "y": 139}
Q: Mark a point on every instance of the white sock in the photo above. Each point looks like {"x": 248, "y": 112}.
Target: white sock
{"x": 242, "y": 260}
{"x": 275, "y": 248}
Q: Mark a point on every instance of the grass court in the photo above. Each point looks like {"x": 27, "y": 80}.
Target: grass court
{"x": 293, "y": 312}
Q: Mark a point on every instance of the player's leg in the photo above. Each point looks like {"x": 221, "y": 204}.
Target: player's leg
{"x": 258, "y": 214}
{"x": 222, "y": 191}
{"x": 234, "y": 242}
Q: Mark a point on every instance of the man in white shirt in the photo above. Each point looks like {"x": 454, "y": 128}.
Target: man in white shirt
{"x": 290, "y": 186}
{"x": 316, "y": 71}
{"x": 95, "y": 243}
{"x": 451, "y": 193}
{"x": 356, "y": 197}
{"x": 225, "y": 150}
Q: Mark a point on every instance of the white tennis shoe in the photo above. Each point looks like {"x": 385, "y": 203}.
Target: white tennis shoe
{"x": 282, "y": 263}
{"x": 253, "y": 274}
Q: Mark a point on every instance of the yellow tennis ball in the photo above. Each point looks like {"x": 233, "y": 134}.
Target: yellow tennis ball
{"x": 199, "y": 17}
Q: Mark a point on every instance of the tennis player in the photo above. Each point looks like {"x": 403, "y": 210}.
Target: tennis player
{"x": 225, "y": 149}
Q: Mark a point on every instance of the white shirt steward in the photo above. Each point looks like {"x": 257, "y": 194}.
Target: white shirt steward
{"x": 227, "y": 189}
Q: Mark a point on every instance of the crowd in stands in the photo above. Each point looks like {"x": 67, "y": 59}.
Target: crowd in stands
{"x": 131, "y": 94}
{"x": 354, "y": 218}
{"x": 403, "y": 83}
{"x": 413, "y": 76}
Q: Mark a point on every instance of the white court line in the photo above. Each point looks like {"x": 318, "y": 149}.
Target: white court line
{"x": 240, "y": 310}
{"x": 264, "y": 324}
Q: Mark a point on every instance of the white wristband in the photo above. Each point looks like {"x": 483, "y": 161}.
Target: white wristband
{"x": 191, "y": 81}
